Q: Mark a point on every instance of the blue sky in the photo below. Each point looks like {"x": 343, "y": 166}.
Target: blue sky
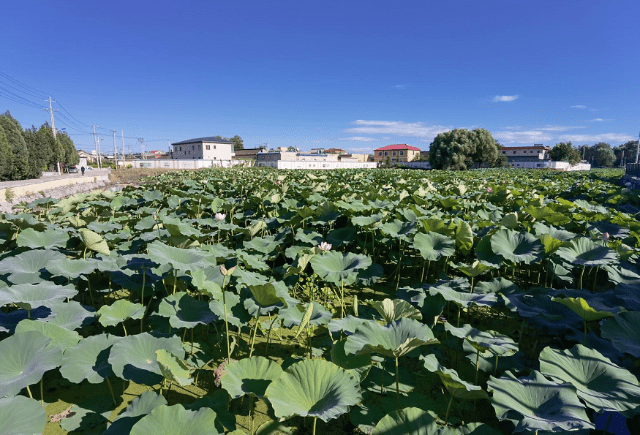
{"x": 350, "y": 74}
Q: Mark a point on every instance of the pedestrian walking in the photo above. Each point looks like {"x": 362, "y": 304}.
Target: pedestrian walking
{"x": 82, "y": 170}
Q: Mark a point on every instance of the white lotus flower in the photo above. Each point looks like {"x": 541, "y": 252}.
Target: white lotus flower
{"x": 324, "y": 246}
{"x": 220, "y": 216}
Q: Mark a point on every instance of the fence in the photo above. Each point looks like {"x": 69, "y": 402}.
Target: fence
{"x": 633, "y": 169}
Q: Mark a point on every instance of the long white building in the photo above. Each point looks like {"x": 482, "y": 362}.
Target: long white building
{"x": 311, "y": 160}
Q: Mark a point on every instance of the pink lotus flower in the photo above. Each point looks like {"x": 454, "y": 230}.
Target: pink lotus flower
{"x": 605, "y": 237}
{"x": 489, "y": 189}
{"x": 324, "y": 246}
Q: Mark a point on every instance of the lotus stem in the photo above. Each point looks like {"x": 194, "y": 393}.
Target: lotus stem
{"x": 144, "y": 276}
{"x": 42, "y": 391}
{"x": 251, "y": 411}
{"x": 471, "y": 291}
{"x": 125, "y": 329}
{"x": 581, "y": 273}
{"x": 446, "y": 415}
{"x": 595, "y": 279}
{"x": 191, "y": 353}
{"x": 253, "y": 338}
{"x": 477, "y": 358}
{"x": 315, "y": 420}
{"x": 90, "y": 294}
{"x": 226, "y": 322}
{"x": 397, "y": 385}
{"x": 382, "y": 381}
{"x": 495, "y": 369}
{"x": 111, "y": 391}
{"x": 584, "y": 343}
{"x": 29, "y": 391}
{"x": 342, "y": 296}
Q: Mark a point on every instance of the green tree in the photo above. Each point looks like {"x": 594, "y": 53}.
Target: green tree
{"x": 70, "y": 154}
{"x": 460, "y": 148}
{"x": 35, "y": 163}
{"x": 56, "y": 150}
{"x": 5, "y": 154}
{"x": 565, "y": 152}
{"x": 625, "y": 153}
{"x": 237, "y": 142}
{"x": 18, "y": 169}
{"x": 603, "y": 155}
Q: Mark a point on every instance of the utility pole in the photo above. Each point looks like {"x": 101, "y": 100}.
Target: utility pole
{"x": 637, "y": 147}
{"x": 96, "y": 141}
{"x": 141, "y": 140}
{"x": 124, "y": 153}
{"x": 53, "y": 126}
{"x": 115, "y": 148}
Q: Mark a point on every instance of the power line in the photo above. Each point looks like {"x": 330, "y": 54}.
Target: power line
{"x": 40, "y": 94}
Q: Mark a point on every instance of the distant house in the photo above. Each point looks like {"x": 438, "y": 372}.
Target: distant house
{"x": 335, "y": 151}
{"x": 533, "y": 157}
{"x": 396, "y": 153}
{"x": 314, "y": 159}
{"x": 248, "y": 153}
{"x": 203, "y": 148}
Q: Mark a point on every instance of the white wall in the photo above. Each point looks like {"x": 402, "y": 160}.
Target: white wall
{"x": 181, "y": 164}
{"x": 565, "y": 166}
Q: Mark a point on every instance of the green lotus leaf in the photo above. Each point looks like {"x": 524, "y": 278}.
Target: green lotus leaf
{"x": 293, "y": 315}
{"x": 396, "y": 309}
{"x": 496, "y": 285}
{"x": 178, "y": 258}
{"x": 462, "y": 298}
{"x": 236, "y": 313}
{"x": 581, "y": 308}
{"x": 517, "y": 247}
{"x": 70, "y": 315}
{"x": 173, "y": 368}
{"x": 601, "y": 384}
{"x": 219, "y": 402}
{"x": 582, "y": 251}
{"x": 119, "y": 311}
{"x": 47, "y": 239}
{"x": 71, "y": 268}
{"x": 495, "y": 342}
{"x": 510, "y": 220}
{"x": 89, "y": 359}
{"x": 265, "y": 245}
{"x": 25, "y": 268}
{"x": 309, "y": 237}
{"x": 31, "y": 296}
{"x": 138, "y": 408}
{"x": 20, "y": 415}
{"x": 313, "y": 388}
{"x": 339, "y": 269}
{"x": 379, "y": 379}
{"x": 622, "y": 330}
{"x": 134, "y": 357}
{"x": 265, "y": 295}
{"x": 551, "y": 245}
{"x": 185, "y": 311}
{"x": 535, "y": 403}
{"x": 399, "y": 229}
{"x": 393, "y": 340}
{"x": 464, "y": 237}
{"x": 356, "y": 364}
{"x": 347, "y": 324}
{"x": 250, "y": 376}
{"x": 433, "y": 246}
{"x": 367, "y": 221}
{"x": 474, "y": 269}
{"x": 457, "y": 387}
{"x": 205, "y": 285}
{"x": 485, "y": 254}
{"x": 175, "y": 420}
{"x": 562, "y": 235}
{"x": 93, "y": 241}
{"x": 62, "y": 338}
{"x": 24, "y": 358}
{"x": 407, "y": 421}
{"x": 177, "y": 227}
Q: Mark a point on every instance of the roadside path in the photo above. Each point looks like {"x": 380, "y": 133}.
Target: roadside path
{"x": 19, "y": 183}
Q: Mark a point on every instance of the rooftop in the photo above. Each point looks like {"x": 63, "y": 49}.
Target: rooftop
{"x": 202, "y": 139}
{"x": 403, "y": 146}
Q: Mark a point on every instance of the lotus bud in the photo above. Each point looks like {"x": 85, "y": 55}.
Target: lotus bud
{"x": 489, "y": 189}
{"x": 225, "y": 271}
{"x": 605, "y": 237}
{"x": 204, "y": 181}
{"x": 220, "y": 216}
{"x": 324, "y": 246}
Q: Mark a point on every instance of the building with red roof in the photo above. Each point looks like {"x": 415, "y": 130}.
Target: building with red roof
{"x": 396, "y": 153}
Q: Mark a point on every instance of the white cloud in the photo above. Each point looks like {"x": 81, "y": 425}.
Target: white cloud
{"x": 400, "y": 86}
{"x": 529, "y": 136}
{"x": 579, "y": 106}
{"x": 599, "y": 120}
{"x": 558, "y": 128}
{"x": 593, "y": 138}
{"x": 397, "y": 128}
{"x": 359, "y": 139}
{"x": 505, "y": 98}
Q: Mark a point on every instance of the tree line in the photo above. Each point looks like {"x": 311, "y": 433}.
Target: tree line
{"x": 24, "y": 154}
{"x": 462, "y": 149}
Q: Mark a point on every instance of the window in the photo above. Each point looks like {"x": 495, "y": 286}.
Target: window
{"x": 402, "y": 153}
{"x": 393, "y": 153}
{"x": 199, "y": 147}
{"x": 193, "y": 147}
{"x": 214, "y": 147}
{"x": 514, "y": 152}
{"x": 208, "y": 147}
{"x": 386, "y": 153}
{"x": 380, "y": 153}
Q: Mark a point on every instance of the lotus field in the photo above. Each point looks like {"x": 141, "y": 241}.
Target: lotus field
{"x": 385, "y": 301}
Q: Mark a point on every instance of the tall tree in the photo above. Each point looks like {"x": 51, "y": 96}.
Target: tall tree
{"x": 460, "y": 148}
{"x": 70, "y": 154}
{"x": 19, "y": 167}
{"x": 625, "y": 153}
{"x": 55, "y": 149}
{"x": 35, "y": 162}
{"x": 603, "y": 155}
{"x": 5, "y": 155}
{"x": 565, "y": 152}
{"x": 237, "y": 142}
{"x": 487, "y": 149}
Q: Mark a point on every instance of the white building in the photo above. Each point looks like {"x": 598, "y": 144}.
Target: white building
{"x": 203, "y": 148}
{"x": 292, "y": 160}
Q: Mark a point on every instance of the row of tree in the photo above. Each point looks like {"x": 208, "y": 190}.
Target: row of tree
{"x": 24, "y": 154}
{"x": 462, "y": 149}
{"x": 600, "y": 154}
